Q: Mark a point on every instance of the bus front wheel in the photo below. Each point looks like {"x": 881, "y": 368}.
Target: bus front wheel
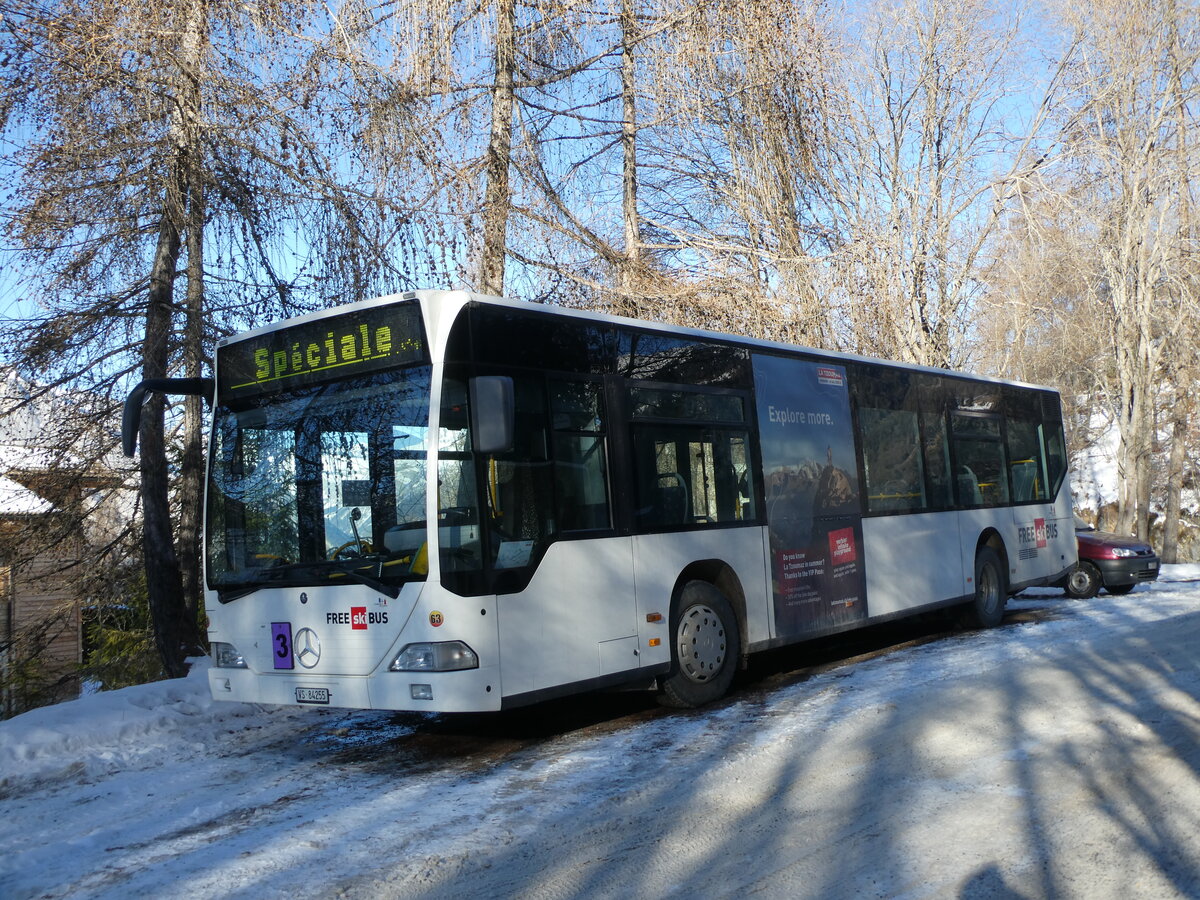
{"x": 991, "y": 591}
{"x": 705, "y": 644}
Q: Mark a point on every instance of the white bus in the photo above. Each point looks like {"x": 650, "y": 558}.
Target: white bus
{"x": 441, "y": 501}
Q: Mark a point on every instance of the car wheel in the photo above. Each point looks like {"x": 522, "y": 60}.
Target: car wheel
{"x": 705, "y": 644}
{"x": 1119, "y": 589}
{"x": 1084, "y": 581}
{"x": 991, "y": 592}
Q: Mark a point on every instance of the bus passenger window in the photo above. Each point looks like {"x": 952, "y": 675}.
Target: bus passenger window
{"x": 1056, "y": 456}
{"x": 981, "y": 473}
{"x": 580, "y": 463}
{"x": 937, "y": 459}
{"x": 892, "y": 460}
{"x": 1027, "y": 458}
{"x": 692, "y": 477}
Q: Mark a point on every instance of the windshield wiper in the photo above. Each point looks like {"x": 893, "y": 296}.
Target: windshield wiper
{"x": 229, "y": 595}
{"x": 303, "y": 574}
{"x": 355, "y": 575}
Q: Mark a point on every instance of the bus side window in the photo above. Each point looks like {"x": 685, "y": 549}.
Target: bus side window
{"x": 937, "y": 460}
{"x": 892, "y": 460}
{"x": 580, "y": 457}
{"x": 981, "y": 475}
{"x": 692, "y": 456}
{"x": 935, "y": 441}
{"x": 692, "y": 476}
{"x": 520, "y": 486}
{"x": 1056, "y": 456}
{"x": 1026, "y": 449}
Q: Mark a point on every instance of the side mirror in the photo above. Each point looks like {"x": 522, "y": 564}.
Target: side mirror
{"x": 131, "y": 416}
{"x": 493, "y": 413}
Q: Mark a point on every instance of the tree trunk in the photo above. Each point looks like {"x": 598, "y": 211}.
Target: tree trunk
{"x": 1183, "y": 351}
{"x": 1179, "y": 430}
{"x": 496, "y": 199}
{"x": 1144, "y": 463}
{"x": 191, "y": 467}
{"x": 629, "y": 174}
{"x": 172, "y": 589}
{"x": 168, "y": 613}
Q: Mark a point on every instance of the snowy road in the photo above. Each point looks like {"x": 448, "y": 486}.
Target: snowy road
{"x": 1058, "y": 756}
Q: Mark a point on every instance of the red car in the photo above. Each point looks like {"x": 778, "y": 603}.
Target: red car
{"x": 1109, "y": 561}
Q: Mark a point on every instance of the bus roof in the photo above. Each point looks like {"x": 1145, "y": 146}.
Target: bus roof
{"x": 458, "y": 299}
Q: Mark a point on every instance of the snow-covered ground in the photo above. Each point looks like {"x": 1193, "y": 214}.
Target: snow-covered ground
{"x": 1057, "y": 756}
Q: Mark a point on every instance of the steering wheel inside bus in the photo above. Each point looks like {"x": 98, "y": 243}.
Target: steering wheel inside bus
{"x": 353, "y": 549}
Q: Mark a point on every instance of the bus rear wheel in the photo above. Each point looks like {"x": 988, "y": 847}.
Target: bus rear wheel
{"x": 1084, "y": 581}
{"x": 991, "y": 591}
{"x": 705, "y": 644}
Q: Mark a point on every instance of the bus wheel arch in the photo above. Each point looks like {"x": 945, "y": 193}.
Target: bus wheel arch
{"x": 990, "y": 580}
{"x": 991, "y": 539}
{"x": 720, "y": 575}
{"x": 706, "y": 634}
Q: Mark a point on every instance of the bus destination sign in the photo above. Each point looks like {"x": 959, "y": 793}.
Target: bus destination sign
{"x": 357, "y": 342}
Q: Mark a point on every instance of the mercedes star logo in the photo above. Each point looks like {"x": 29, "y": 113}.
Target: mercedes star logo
{"x": 308, "y": 647}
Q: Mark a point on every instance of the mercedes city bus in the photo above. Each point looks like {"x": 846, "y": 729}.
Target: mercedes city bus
{"x": 447, "y": 502}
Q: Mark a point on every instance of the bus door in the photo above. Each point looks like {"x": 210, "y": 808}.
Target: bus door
{"x": 563, "y": 578}
{"x": 1043, "y": 542}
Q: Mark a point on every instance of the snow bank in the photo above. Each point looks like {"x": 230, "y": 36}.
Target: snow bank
{"x": 106, "y": 731}
{"x": 1182, "y": 573}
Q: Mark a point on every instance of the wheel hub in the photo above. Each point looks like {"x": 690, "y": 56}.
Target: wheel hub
{"x": 701, "y": 642}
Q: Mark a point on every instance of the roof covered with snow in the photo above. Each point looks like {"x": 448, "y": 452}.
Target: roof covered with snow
{"x": 16, "y": 500}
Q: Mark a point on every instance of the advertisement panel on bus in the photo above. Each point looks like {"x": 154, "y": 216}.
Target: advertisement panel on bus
{"x": 812, "y": 494}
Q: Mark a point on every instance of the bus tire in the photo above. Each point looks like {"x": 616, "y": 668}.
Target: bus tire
{"x": 1084, "y": 581}
{"x": 705, "y": 644}
{"x": 991, "y": 591}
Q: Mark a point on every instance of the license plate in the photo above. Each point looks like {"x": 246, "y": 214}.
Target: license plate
{"x": 312, "y": 695}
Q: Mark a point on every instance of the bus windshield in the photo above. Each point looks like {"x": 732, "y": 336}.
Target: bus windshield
{"x": 324, "y": 484}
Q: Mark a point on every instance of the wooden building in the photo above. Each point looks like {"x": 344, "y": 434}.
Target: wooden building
{"x": 41, "y": 642}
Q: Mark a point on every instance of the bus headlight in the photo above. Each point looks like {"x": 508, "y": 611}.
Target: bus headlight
{"x": 226, "y": 656}
{"x": 446, "y": 656}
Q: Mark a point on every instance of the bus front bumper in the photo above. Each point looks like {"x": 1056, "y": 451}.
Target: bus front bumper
{"x": 472, "y": 690}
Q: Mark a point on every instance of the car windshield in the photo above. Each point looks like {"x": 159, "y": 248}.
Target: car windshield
{"x": 1081, "y": 525}
{"x": 323, "y": 484}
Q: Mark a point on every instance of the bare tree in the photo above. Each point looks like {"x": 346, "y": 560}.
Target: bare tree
{"x": 1126, "y": 140}
{"x": 927, "y": 158}
{"x": 1182, "y": 361}
{"x": 485, "y": 78}
{"x": 734, "y": 110}
{"x": 149, "y": 137}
